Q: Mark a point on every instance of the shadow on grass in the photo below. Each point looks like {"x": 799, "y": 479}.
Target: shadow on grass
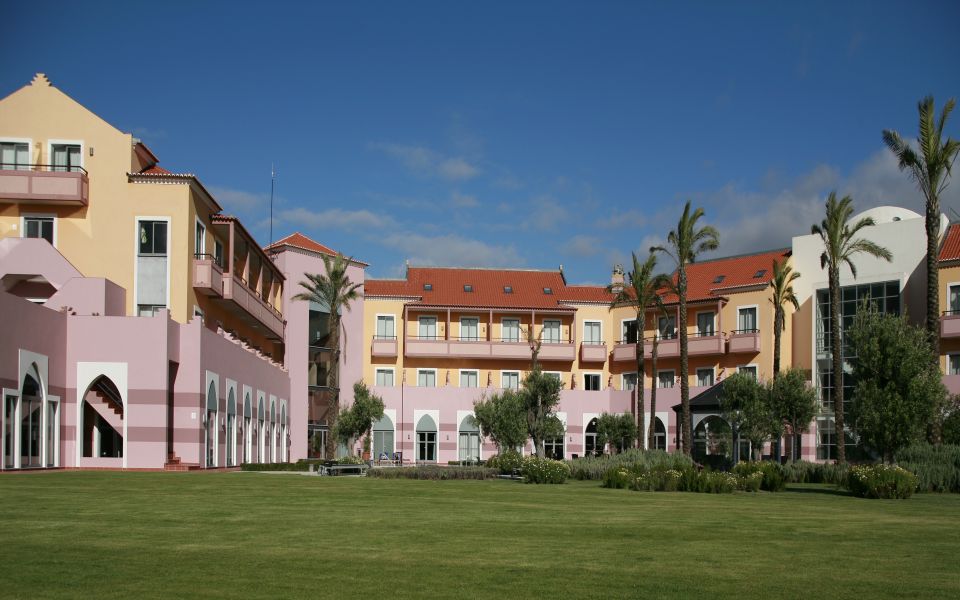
{"x": 816, "y": 489}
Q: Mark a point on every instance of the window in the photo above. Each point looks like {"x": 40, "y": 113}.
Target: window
{"x": 665, "y": 379}
{"x": 14, "y": 155}
{"x": 428, "y": 328}
{"x": 705, "y": 377}
{"x": 426, "y": 378}
{"x": 591, "y": 382}
{"x": 385, "y": 327}
{"x": 548, "y": 291}
{"x": 511, "y": 330}
{"x": 153, "y": 238}
{"x": 507, "y": 289}
{"x": 592, "y": 332}
{"x": 759, "y": 273}
{"x": 510, "y": 380}
{"x": 149, "y": 310}
{"x": 667, "y": 326}
{"x": 428, "y": 287}
{"x": 554, "y": 374}
{"x": 954, "y": 299}
{"x": 385, "y": 377}
{"x": 470, "y": 329}
{"x": 659, "y": 435}
{"x": 38, "y": 227}
{"x": 953, "y": 364}
{"x": 197, "y": 311}
{"x": 551, "y": 332}
{"x": 218, "y": 253}
{"x": 66, "y": 157}
{"x": 469, "y": 445}
{"x": 719, "y": 278}
{"x": 705, "y": 323}
{"x": 749, "y": 370}
{"x": 383, "y": 438}
{"x": 200, "y": 240}
{"x": 469, "y": 379}
{"x": 426, "y": 439}
{"x": 629, "y": 332}
{"x": 590, "y": 445}
{"x": 629, "y": 381}
{"x": 468, "y": 288}
{"x": 747, "y": 319}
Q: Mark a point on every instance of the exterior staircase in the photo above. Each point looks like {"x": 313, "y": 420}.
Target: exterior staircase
{"x": 173, "y": 464}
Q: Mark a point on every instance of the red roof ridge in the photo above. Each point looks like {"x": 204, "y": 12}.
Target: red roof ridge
{"x": 950, "y": 248}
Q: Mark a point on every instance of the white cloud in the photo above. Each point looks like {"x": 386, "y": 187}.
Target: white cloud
{"x": 452, "y": 250}
{"x": 335, "y": 218}
{"x": 618, "y": 219}
{"x": 459, "y": 200}
{"x": 425, "y": 161}
{"x": 547, "y": 214}
{"x": 583, "y": 246}
{"x": 238, "y": 200}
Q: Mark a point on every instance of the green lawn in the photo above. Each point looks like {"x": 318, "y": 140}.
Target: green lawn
{"x": 134, "y": 535}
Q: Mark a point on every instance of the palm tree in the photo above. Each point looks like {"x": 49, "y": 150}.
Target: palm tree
{"x": 931, "y": 170}
{"x": 840, "y": 246}
{"x": 334, "y": 290}
{"x": 782, "y": 284}
{"x": 643, "y": 291}
{"x": 684, "y": 244}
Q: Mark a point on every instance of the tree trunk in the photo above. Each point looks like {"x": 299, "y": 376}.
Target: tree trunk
{"x": 684, "y": 384}
{"x": 933, "y": 295}
{"x": 652, "y": 430}
{"x": 837, "y": 354}
{"x": 333, "y": 382}
{"x": 638, "y": 415}
{"x": 777, "y": 329}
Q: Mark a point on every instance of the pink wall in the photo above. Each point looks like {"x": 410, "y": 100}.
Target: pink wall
{"x": 89, "y": 295}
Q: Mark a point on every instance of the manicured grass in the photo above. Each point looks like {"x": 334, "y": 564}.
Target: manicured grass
{"x": 137, "y": 535}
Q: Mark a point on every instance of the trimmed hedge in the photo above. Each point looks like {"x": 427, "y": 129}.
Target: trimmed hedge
{"x": 303, "y": 464}
{"x": 544, "y": 470}
{"x": 881, "y": 481}
{"x": 937, "y": 467}
{"x": 594, "y": 468}
{"x": 433, "y": 473}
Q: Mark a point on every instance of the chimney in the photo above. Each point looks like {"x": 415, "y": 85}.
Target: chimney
{"x": 617, "y": 279}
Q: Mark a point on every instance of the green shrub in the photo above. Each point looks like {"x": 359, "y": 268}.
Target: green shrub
{"x": 662, "y": 479}
{"x": 772, "y": 478}
{"x": 594, "y": 468}
{"x": 300, "y": 465}
{"x": 937, "y": 467}
{"x": 544, "y": 470}
{"x": 508, "y": 462}
{"x": 433, "y": 473}
{"x": 881, "y": 481}
{"x": 801, "y": 471}
{"x": 618, "y": 478}
{"x": 750, "y": 482}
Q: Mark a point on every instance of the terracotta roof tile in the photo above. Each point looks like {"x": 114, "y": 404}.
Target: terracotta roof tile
{"x": 950, "y": 249}
{"x": 155, "y": 170}
{"x": 704, "y": 278}
{"x": 298, "y": 240}
{"x": 586, "y": 293}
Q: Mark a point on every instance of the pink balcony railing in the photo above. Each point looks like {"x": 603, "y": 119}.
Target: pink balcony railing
{"x": 253, "y": 306}
{"x": 465, "y": 348}
{"x": 593, "y": 352}
{"x": 384, "y": 346}
{"x": 702, "y": 345}
{"x": 207, "y": 276}
{"x": 950, "y": 325}
{"x": 744, "y": 341}
{"x": 44, "y": 184}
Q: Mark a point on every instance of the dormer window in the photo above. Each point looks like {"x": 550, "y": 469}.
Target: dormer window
{"x": 719, "y": 278}
{"x": 759, "y": 273}
{"x": 467, "y": 288}
{"x": 548, "y": 291}
{"x": 507, "y": 289}
{"x": 428, "y": 287}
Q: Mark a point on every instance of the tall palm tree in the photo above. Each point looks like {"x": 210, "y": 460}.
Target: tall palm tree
{"x": 930, "y": 168}
{"x": 334, "y": 290}
{"x": 684, "y": 244}
{"x": 642, "y": 291}
{"x": 782, "y": 284}
{"x": 841, "y": 244}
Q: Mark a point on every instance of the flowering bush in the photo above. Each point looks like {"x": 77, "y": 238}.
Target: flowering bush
{"x": 750, "y": 482}
{"x": 544, "y": 470}
{"x": 508, "y": 462}
{"x": 619, "y": 478}
{"x": 772, "y": 477}
{"x": 801, "y": 471}
{"x": 661, "y": 479}
{"x": 881, "y": 481}
{"x": 432, "y": 472}
{"x": 596, "y": 467}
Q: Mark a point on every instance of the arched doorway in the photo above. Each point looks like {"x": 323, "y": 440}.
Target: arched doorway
{"x": 102, "y": 417}
{"x": 283, "y": 432}
{"x": 272, "y": 427}
{"x": 426, "y": 439}
{"x": 247, "y": 431}
{"x": 211, "y": 426}
{"x": 712, "y": 437}
{"x": 469, "y": 440}
{"x": 261, "y": 431}
{"x": 659, "y": 434}
{"x": 31, "y": 415}
{"x": 383, "y": 436}
{"x": 590, "y": 446}
{"x": 553, "y": 445}
{"x": 231, "y": 430}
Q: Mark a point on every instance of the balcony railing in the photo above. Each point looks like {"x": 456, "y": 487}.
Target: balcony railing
{"x": 236, "y": 290}
{"x": 384, "y": 345}
{"x": 207, "y": 275}
{"x": 950, "y": 324}
{"x": 44, "y": 184}
{"x": 432, "y": 346}
{"x": 593, "y": 352}
{"x": 744, "y": 341}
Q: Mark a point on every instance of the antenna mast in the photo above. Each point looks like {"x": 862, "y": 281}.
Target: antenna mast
{"x": 273, "y": 177}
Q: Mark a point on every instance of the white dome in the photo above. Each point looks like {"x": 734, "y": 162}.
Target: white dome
{"x": 887, "y": 214}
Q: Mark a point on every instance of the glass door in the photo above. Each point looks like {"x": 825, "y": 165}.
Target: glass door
{"x": 9, "y": 431}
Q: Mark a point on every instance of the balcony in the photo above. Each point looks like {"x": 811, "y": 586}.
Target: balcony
{"x": 950, "y": 324}
{"x": 44, "y": 184}
{"x": 744, "y": 341}
{"x": 703, "y": 345}
{"x": 207, "y": 275}
{"x": 432, "y": 347}
{"x": 254, "y": 308}
{"x": 593, "y": 352}
{"x": 626, "y": 350}
{"x": 384, "y": 346}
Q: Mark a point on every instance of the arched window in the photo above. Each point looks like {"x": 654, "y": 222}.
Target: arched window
{"x": 247, "y": 439}
{"x": 711, "y": 437}
{"x": 469, "y": 440}
{"x": 211, "y": 425}
{"x": 31, "y": 413}
{"x": 261, "y": 431}
{"x": 659, "y": 435}
{"x": 426, "y": 439}
{"x": 590, "y": 446}
{"x": 272, "y": 430}
{"x": 553, "y": 446}
{"x": 383, "y": 435}
{"x": 283, "y": 432}
{"x": 231, "y": 437}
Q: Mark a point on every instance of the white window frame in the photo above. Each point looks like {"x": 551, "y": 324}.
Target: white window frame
{"x": 38, "y": 215}
{"x": 676, "y": 328}
{"x": 754, "y": 366}
{"x": 53, "y": 142}
{"x": 711, "y": 369}
{"x": 543, "y": 330}
{"x": 461, "y": 374}
{"x": 136, "y": 255}
{"x": 503, "y": 373}
{"x": 436, "y": 326}
{"x": 599, "y": 375}
{"x": 592, "y": 322}
{"x": 393, "y": 317}
{"x": 756, "y": 308}
{"x": 27, "y": 141}
{"x": 203, "y": 239}
{"x": 393, "y": 376}
{"x": 673, "y": 377}
{"x": 434, "y": 371}
{"x": 950, "y": 357}
{"x": 950, "y": 287}
{"x": 623, "y": 329}
{"x": 623, "y": 381}
{"x": 503, "y": 337}
{"x": 700, "y": 312}
{"x": 460, "y": 326}
{"x": 559, "y": 374}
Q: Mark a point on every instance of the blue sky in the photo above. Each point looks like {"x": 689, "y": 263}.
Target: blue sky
{"x": 508, "y": 134}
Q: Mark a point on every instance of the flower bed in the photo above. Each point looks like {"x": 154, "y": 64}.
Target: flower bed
{"x": 433, "y": 473}
{"x": 544, "y": 470}
{"x": 881, "y": 481}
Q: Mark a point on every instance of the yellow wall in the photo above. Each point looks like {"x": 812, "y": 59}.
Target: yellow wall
{"x": 948, "y": 276}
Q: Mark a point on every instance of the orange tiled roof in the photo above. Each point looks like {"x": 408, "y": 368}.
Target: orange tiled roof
{"x": 703, "y": 278}
{"x": 298, "y": 240}
{"x": 950, "y": 250}
{"x": 586, "y": 293}
{"x": 155, "y": 170}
